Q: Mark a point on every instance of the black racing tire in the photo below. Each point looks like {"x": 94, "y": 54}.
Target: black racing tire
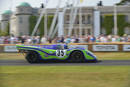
{"x": 77, "y": 56}
{"x": 32, "y": 57}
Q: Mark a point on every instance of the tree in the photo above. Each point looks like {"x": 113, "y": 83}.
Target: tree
{"x": 122, "y": 24}
{"x": 122, "y": 2}
{"x": 6, "y": 31}
{"x": 32, "y": 23}
{"x": 41, "y": 27}
{"x": 108, "y": 24}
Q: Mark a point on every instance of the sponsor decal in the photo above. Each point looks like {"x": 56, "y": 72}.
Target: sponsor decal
{"x": 126, "y": 47}
{"x": 105, "y": 47}
{"x": 10, "y": 49}
{"x": 80, "y": 46}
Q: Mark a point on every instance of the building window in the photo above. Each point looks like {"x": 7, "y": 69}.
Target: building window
{"x": 126, "y": 18}
{"x": 127, "y": 31}
{"x": 77, "y": 20}
{"x": 29, "y": 10}
{"x": 89, "y": 19}
{"x": 83, "y": 32}
{"x": 21, "y": 9}
{"x": 83, "y": 19}
{"x": 21, "y": 33}
{"x": 102, "y": 19}
{"x": 67, "y": 19}
{"x": 20, "y": 20}
{"x": 89, "y": 31}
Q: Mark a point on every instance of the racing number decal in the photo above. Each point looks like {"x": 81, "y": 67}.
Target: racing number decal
{"x": 60, "y": 53}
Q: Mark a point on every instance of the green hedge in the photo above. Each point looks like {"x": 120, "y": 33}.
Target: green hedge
{"x": 108, "y": 24}
{"x": 49, "y": 20}
{"x": 122, "y": 24}
{"x": 6, "y": 31}
{"x": 122, "y": 2}
{"x": 41, "y": 27}
{"x": 33, "y": 21}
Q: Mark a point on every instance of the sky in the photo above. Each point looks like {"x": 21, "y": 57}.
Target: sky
{"x": 11, "y": 4}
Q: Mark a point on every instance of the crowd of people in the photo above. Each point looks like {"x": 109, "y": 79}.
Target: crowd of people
{"x": 67, "y": 39}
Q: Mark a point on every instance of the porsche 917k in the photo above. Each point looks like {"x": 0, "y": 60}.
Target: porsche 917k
{"x": 58, "y": 52}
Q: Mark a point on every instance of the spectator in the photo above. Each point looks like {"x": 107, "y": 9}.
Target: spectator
{"x": 113, "y": 39}
{"x": 12, "y": 40}
{"x": 37, "y": 39}
{"x": 6, "y": 40}
{"x": 43, "y": 40}
{"x": 103, "y": 38}
{"x": 23, "y": 39}
{"x": 92, "y": 39}
{"x": 67, "y": 40}
{"x": 118, "y": 39}
{"x": 97, "y": 39}
{"x": 124, "y": 38}
{"x": 2, "y": 40}
{"x": 109, "y": 38}
{"x": 87, "y": 38}
{"x": 49, "y": 40}
{"x": 72, "y": 39}
{"x": 76, "y": 40}
{"x": 34, "y": 40}
{"x": 62, "y": 39}
{"x": 58, "y": 40}
{"x": 82, "y": 39}
{"x": 128, "y": 38}
{"x": 29, "y": 40}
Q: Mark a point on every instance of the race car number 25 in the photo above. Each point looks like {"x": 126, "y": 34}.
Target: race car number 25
{"x": 60, "y": 53}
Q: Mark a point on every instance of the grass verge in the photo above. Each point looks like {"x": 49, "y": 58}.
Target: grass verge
{"x": 64, "y": 76}
{"x": 113, "y": 55}
{"x": 100, "y": 55}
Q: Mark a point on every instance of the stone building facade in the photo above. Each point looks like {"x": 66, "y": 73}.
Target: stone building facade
{"x": 19, "y": 20}
{"x": 88, "y": 19}
{"x": 5, "y": 20}
{"x": 124, "y": 10}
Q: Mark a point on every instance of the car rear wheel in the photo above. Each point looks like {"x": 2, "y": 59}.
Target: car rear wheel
{"x": 32, "y": 57}
{"x": 77, "y": 56}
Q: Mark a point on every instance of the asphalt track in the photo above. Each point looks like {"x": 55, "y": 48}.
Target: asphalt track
{"x": 102, "y": 63}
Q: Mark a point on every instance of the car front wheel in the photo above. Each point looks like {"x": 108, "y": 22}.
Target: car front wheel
{"x": 77, "y": 56}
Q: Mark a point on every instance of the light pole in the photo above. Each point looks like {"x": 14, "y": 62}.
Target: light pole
{"x": 11, "y": 8}
{"x": 45, "y": 19}
{"x": 80, "y": 19}
{"x": 97, "y": 22}
{"x": 115, "y": 20}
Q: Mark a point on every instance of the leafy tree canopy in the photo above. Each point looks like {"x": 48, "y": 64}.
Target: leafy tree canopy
{"x": 122, "y": 2}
